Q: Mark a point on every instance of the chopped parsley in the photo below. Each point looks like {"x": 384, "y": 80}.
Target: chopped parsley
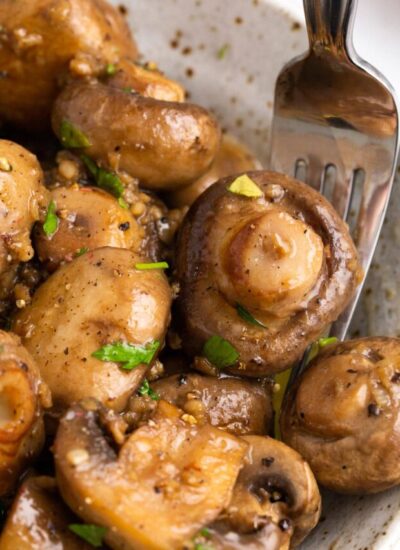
{"x": 318, "y": 345}
{"x": 105, "y": 180}
{"x": 81, "y": 251}
{"x": 72, "y": 137}
{"x": 50, "y": 224}
{"x": 243, "y": 185}
{"x": 111, "y": 69}
{"x": 221, "y": 53}
{"x": 151, "y": 265}
{"x": 93, "y": 534}
{"x": 220, "y": 352}
{"x": 127, "y": 90}
{"x": 247, "y": 316}
{"x": 145, "y": 390}
{"x": 129, "y": 355}
{"x": 123, "y": 203}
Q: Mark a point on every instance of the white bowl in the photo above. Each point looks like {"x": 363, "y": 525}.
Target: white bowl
{"x": 186, "y": 38}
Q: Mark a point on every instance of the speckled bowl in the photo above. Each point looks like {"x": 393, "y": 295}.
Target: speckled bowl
{"x": 228, "y": 55}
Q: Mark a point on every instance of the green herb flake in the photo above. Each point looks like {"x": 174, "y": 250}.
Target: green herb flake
{"x": 243, "y": 185}
{"x": 72, "y": 137}
{"x": 123, "y": 203}
{"x": 145, "y": 390}
{"x": 248, "y": 317}
{"x": 93, "y": 534}
{"x": 202, "y": 546}
{"x": 221, "y": 53}
{"x": 206, "y": 533}
{"x": 51, "y": 221}
{"x": 220, "y": 352}
{"x": 127, "y": 90}
{"x": 151, "y": 265}
{"x": 317, "y": 346}
{"x": 105, "y": 180}
{"x": 111, "y": 69}
{"x": 81, "y": 251}
{"x": 129, "y": 355}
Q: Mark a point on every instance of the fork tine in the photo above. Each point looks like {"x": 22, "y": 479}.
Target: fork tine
{"x": 314, "y": 172}
{"x": 342, "y": 191}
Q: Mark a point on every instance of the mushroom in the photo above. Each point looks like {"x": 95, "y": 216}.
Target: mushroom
{"x": 88, "y": 218}
{"x": 22, "y": 398}
{"x": 343, "y": 415}
{"x": 95, "y": 325}
{"x": 264, "y": 264}
{"x": 169, "y": 478}
{"x": 42, "y": 41}
{"x": 239, "y": 406}
{"x": 275, "y": 500}
{"x": 163, "y": 144}
{"x": 38, "y": 519}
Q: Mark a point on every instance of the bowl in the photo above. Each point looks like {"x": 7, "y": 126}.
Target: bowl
{"x": 228, "y": 56}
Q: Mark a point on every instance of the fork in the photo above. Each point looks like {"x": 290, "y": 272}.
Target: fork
{"x": 336, "y": 127}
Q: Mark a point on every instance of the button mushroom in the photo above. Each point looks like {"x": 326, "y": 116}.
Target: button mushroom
{"x": 343, "y": 415}
{"x": 39, "y": 520}
{"x": 168, "y": 480}
{"x": 264, "y": 264}
{"x": 95, "y": 325}
{"x": 43, "y": 40}
{"x": 22, "y": 398}
{"x": 163, "y": 144}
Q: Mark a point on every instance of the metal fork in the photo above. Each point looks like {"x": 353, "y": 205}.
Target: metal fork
{"x": 336, "y": 127}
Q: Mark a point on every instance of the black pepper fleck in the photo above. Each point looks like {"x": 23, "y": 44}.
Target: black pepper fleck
{"x": 267, "y": 461}
{"x": 373, "y": 410}
{"x": 124, "y": 226}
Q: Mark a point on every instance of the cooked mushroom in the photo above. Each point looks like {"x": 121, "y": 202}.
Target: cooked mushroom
{"x": 343, "y": 415}
{"x": 265, "y": 263}
{"x": 275, "y": 499}
{"x": 38, "y": 519}
{"x": 170, "y": 478}
{"x": 234, "y": 404}
{"x": 22, "y": 397}
{"x": 42, "y": 40}
{"x": 163, "y": 144}
{"x": 232, "y": 158}
{"x": 99, "y": 303}
{"x": 88, "y": 218}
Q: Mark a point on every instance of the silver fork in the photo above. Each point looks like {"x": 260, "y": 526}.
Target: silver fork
{"x": 336, "y": 127}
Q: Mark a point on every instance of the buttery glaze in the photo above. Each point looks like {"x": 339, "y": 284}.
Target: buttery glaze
{"x": 343, "y": 415}
{"x": 97, "y": 299}
{"x": 286, "y": 257}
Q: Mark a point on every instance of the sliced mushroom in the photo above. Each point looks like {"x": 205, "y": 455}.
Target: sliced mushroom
{"x": 163, "y": 144}
{"x": 43, "y": 40}
{"x": 22, "y": 398}
{"x": 98, "y": 299}
{"x": 236, "y": 405}
{"x": 88, "y": 218}
{"x": 168, "y": 480}
{"x": 343, "y": 415}
{"x": 38, "y": 519}
{"x": 265, "y": 272}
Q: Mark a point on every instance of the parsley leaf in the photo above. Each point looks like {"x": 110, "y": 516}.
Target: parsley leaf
{"x": 50, "y": 224}
{"x": 247, "y": 316}
{"x": 220, "y": 352}
{"x": 129, "y": 355}
{"x": 72, "y": 137}
{"x": 81, "y": 251}
{"x": 318, "y": 345}
{"x": 221, "y": 53}
{"x": 105, "y": 180}
{"x": 122, "y": 203}
{"x": 145, "y": 389}
{"x": 111, "y": 69}
{"x": 152, "y": 265}
{"x": 243, "y": 185}
{"x": 93, "y": 534}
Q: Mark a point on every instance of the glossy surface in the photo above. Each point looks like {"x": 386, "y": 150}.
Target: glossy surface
{"x": 97, "y": 299}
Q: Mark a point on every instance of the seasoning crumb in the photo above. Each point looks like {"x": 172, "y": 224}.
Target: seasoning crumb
{"x": 223, "y": 50}
{"x": 5, "y": 166}
{"x": 373, "y": 410}
{"x": 77, "y": 456}
{"x": 189, "y": 72}
{"x": 267, "y": 461}
{"x": 189, "y": 419}
{"x": 284, "y": 525}
{"x": 20, "y": 304}
{"x": 296, "y": 26}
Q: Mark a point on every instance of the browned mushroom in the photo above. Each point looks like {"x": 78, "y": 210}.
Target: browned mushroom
{"x": 42, "y": 40}
{"x": 99, "y": 301}
{"x": 343, "y": 415}
{"x": 22, "y": 397}
{"x": 265, "y": 263}
{"x": 170, "y": 478}
{"x": 38, "y": 519}
{"x": 163, "y": 144}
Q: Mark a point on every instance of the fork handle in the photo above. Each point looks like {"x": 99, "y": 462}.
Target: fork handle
{"x": 330, "y": 24}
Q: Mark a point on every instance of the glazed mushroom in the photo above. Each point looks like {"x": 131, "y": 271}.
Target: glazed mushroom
{"x": 99, "y": 303}
{"x": 163, "y": 144}
{"x": 170, "y": 478}
{"x": 22, "y": 399}
{"x": 275, "y": 500}
{"x": 265, "y": 263}
{"x": 343, "y": 415}
{"x": 232, "y": 158}
{"x": 87, "y": 218}
{"x": 42, "y": 41}
{"x": 239, "y": 406}
{"x": 38, "y": 519}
